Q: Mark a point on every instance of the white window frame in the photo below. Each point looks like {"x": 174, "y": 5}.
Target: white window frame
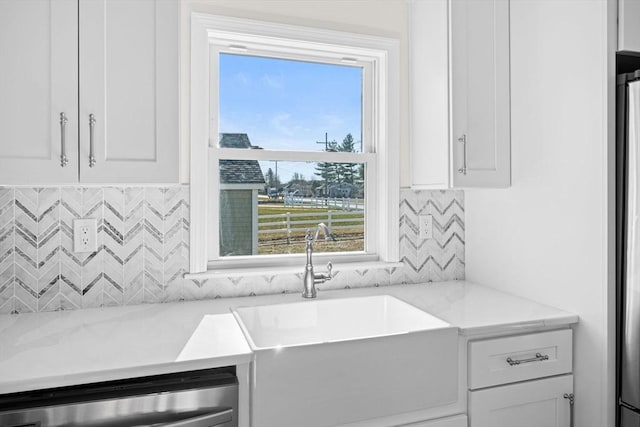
{"x": 211, "y": 35}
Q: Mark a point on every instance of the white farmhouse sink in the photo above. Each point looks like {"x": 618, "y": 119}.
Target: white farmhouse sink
{"x": 331, "y": 362}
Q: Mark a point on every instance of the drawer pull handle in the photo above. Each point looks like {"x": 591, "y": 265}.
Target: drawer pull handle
{"x": 92, "y": 124}
{"x": 63, "y": 148}
{"x": 539, "y": 358}
{"x": 572, "y": 401}
{"x": 463, "y": 140}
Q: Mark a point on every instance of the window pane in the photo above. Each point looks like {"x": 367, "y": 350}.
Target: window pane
{"x": 267, "y": 207}
{"x": 291, "y": 105}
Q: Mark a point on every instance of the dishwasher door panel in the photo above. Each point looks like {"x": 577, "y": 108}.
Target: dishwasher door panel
{"x": 629, "y": 418}
{"x": 202, "y": 407}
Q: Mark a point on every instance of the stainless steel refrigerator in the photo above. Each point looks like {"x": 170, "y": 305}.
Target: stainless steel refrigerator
{"x": 628, "y": 248}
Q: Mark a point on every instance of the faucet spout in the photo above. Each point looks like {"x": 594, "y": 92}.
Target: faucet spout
{"x": 325, "y": 231}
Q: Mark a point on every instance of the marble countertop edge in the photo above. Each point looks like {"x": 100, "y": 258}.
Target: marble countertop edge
{"x": 520, "y": 327}
{"x": 45, "y": 350}
{"x": 98, "y": 376}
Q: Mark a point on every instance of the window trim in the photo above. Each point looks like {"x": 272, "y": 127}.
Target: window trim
{"x": 211, "y": 29}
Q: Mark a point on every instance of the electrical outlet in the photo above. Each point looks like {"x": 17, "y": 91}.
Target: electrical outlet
{"x": 426, "y": 226}
{"x": 85, "y": 235}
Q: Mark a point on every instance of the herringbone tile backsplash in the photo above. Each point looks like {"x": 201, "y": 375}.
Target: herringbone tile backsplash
{"x": 143, "y": 249}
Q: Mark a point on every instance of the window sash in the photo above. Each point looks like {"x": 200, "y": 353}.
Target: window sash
{"x": 372, "y": 186}
{"x": 369, "y": 95}
{"x": 292, "y": 156}
{"x": 366, "y": 157}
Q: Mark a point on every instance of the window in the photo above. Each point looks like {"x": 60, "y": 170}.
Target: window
{"x": 262, "y": 169}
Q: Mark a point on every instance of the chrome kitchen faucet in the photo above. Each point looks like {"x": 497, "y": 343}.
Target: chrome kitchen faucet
{"x": 311, "y": 278}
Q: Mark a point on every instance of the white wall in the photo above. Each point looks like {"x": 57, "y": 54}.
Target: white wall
{"x": 386, "y": 18}
{"x": 546, "y": 237}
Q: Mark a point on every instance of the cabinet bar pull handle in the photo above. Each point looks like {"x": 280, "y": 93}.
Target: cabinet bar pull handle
{"x": 572, "y": 400}
{"x": 63, "y": 147}
{"x": 92, "y": 157}
{"x": 538, "y": 358}
{"x": 463, "y": 140}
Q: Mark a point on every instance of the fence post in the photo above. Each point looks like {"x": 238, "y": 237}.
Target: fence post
{"x": 329, "y": 222}
{"x": 288, "y": 228}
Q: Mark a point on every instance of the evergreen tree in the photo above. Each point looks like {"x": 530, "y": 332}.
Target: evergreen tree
{"x": 297, "y": 177}
{"x": 347, "y": 171}
{"x": 270, "y": 178}
{"x": 328, "y": 171}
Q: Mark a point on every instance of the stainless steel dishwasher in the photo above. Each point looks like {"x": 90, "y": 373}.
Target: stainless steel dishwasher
{"x": 204, "y": 398}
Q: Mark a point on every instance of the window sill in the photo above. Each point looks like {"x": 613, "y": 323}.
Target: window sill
{"x": 259, "y": 271}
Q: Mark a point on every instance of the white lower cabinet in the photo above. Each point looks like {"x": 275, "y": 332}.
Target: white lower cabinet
{"x": 455, "y": 421}
{"x": 540, "y": 403}
{"x": 521, "y": 381}
{"x": 516, "y": 358}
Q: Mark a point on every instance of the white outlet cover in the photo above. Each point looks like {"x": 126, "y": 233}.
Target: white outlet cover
{"x": 85, "y": 235}
{"x": 426, "y": 226}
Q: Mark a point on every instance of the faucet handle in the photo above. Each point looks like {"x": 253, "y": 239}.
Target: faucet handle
{"x": 330, "y": 270}
{"x": 308, "y": 239}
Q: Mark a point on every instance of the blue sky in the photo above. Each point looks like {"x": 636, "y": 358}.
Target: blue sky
{"x": 289, "y": 105}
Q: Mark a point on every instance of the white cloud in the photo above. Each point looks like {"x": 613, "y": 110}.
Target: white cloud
{"x": 273, "y": 82}
{"x": 242, "y": 79}
{"x": 331, "y": 121}
{"x": 282, "y": 123}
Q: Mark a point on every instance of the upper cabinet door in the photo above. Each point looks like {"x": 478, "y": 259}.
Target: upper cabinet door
{"x": 129, "y": 112}
{"x": 480, "y": 93}
{"x": 38, "y": 84}
{"x": 628, "y": 28}
{"x": 429, "y": 94}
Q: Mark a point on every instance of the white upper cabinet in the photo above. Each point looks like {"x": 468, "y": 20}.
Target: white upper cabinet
{"x": 38, "y": 87}
{"x": 429, "y": 93}
{"x": 460, "y": 93}
{"x": 628, "y": 25}
{"x": 480, "y": 93}
{"x": 129, "y": 87}
{"x": 111, "y": 66}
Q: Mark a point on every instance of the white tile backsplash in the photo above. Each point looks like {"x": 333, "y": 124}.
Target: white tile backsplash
{"x": 143, "y": 249}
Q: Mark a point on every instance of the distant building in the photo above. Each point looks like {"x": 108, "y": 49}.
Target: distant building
{"x": 301, "y": 188}
{"x": 240, "y": 181}
{"x": 340, "y": 190}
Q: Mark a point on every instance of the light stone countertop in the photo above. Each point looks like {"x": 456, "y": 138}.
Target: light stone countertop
{"x": 42, "y": 350}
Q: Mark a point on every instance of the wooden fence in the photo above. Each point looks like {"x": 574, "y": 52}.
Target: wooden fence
{"x": 344, "y": 203}
{"x": 287, "y": 223}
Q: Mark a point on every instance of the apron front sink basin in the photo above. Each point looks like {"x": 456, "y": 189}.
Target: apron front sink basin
{"x": 335, "y": 361}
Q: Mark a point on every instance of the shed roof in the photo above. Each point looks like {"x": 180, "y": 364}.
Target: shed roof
{"x": 239, "y": 171}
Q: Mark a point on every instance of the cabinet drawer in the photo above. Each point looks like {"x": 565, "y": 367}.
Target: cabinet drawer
{"x": 518, "y": 358}
{"x": 540, "y": 403}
